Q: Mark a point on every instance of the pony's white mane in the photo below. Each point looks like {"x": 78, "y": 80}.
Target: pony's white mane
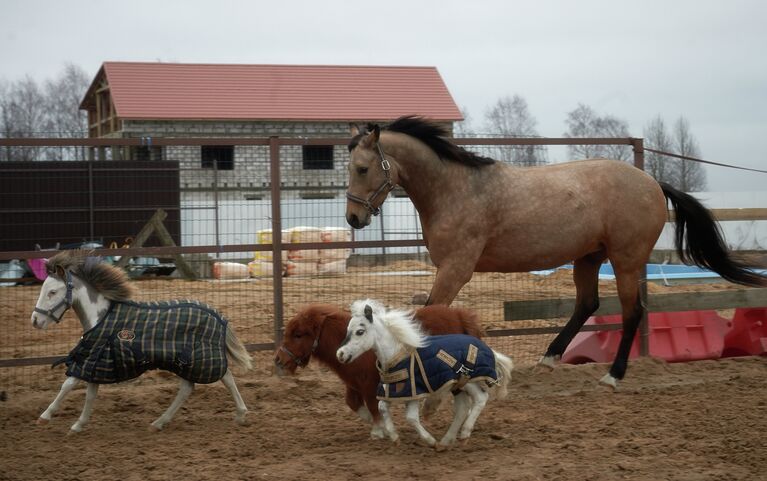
{"x": 399, "y": 322}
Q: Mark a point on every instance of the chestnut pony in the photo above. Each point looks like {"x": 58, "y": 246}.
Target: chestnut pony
{"x": 317, "y": 331}
{"x": 479, "y": 215}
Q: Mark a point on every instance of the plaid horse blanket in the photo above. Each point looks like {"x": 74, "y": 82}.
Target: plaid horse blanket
{"x": 447, "y": 361}
{"x": 185, "y": 337}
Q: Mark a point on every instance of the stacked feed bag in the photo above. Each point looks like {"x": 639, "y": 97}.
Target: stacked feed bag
{"x": 229, "y": 270}
{"x": 333, "y": 261}
{"x": 304, "y": 262}
{"x": 262, "y": 265}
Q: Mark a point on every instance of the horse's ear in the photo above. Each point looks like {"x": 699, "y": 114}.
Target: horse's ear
{"x": 372, "y": 138}
{"x": 60, "y": 272}
{"x": 354, "y": 130}
{"x": 368, "y": 313}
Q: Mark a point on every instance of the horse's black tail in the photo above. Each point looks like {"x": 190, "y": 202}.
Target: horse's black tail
{"x": 705, "y": 246}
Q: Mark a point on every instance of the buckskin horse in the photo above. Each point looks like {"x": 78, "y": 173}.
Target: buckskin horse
{"x": 480, "y": 215}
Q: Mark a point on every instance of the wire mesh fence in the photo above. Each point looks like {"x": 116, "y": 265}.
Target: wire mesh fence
{"x": 194, "y": 219}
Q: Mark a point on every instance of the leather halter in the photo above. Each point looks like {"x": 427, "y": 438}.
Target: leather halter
{"x": 66, "y": 302}
{"x": 303, "y": 360}
{"x": 384, "y": 188}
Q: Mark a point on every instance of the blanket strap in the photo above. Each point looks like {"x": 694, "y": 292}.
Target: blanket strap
{"x": 463, "y": 369}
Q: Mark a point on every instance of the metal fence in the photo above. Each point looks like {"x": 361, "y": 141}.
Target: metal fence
{"x": 217, "y": 210}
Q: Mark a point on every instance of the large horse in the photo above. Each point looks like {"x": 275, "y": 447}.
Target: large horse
{"x": 122, "y": 339}
{"x": 479, "y": 215}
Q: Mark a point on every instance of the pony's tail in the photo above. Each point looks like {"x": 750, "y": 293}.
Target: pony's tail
{"x": 503, "y": 367}
{"x": 470, "y": 322}
{"x": 236, "y": 350}
{"x": 705, "y": 246}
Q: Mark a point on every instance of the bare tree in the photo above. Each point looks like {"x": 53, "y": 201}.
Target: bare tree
{"x": 691, "y": 176}
{"x": 583, "y": 122}
{"x": 659, "y": 166}
{"x": 510, "y": 117}
{"x": 23, "y": 114}
{"x": 28, "y": 110}
{"x": 63, "y": 95}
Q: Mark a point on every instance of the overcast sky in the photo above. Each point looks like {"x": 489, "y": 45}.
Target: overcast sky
{"x": 705, "y": 60}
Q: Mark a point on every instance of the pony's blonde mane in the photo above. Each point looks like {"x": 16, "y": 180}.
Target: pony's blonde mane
{"x": 110, "y": 281}
{"x": 399, "y": 322}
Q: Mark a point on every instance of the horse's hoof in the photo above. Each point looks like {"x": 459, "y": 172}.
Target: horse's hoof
{"x": 439, "y": 447}
{"x": 73, "y": 430}
{"x": 154, "y": 429}
{"x": 42, "y": 421}
{"x": 548, "y": 363}
{"x": 609, "y": 381}
{"x": 242, "y": 421}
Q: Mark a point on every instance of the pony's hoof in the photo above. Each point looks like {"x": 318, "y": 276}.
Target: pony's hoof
{"x": 154, "y": 428}
{"x": 74, "y": 430}
{"x": 547, "y": 363}
{"x": 439, "y": 447}
{"x": 42, "y": 421}
{"x": 609, "y": 381}
{"x": 242, "y": 421}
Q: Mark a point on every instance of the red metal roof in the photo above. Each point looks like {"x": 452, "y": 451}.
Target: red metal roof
{"x": 154, "y": 90}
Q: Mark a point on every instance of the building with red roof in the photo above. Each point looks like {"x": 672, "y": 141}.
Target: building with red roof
{"x": 154, "y": 99}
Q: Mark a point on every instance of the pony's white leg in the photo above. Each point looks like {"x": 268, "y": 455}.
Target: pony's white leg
{"x": 90, "y": 396}
{"x": 478, "y": 400}
{"x": 185, "y": 388}
{"x": 378, "y": 431}
{"x": 461, "y": 404}
{"x": 242, "y": 410}
{"x": 413, "y": 417}
{"x": 383, "y": 407}
{"x": 66, "y": 387}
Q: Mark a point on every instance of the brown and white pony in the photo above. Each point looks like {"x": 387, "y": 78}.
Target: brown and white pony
{"x": 479, "y": 215}
{"x": 317, "y": 330}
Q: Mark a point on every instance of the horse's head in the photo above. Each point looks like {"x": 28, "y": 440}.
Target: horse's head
{"x": 360, "y": 333}
{"x": 54, "y": 300}
{"x": 301, "y": 338}
{"x": 371, "y": 177}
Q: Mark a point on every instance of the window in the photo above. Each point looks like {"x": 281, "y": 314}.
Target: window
{"x": 220, "y": 156}
{"x": 145, "y": 153}
{"x": 318, "y": 157}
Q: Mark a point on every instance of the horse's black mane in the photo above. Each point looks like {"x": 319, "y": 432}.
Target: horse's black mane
{"x": 433, "y": 135}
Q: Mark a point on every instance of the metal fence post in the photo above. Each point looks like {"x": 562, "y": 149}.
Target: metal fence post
{"x": 274, "y": 167}
{"x": 644, "y": 328}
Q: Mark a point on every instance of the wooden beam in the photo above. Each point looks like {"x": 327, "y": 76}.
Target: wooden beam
{"x": 732, "y": 214}
{"x": 156, "y": 226}
{"x": 682, "y": 301}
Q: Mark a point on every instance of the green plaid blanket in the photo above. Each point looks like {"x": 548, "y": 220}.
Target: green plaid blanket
{"x": 185, "y": 337}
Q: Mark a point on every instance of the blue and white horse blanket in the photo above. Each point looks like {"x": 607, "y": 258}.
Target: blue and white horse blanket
{"x": 185, "y": 337}
{"x": 446, "y": 362}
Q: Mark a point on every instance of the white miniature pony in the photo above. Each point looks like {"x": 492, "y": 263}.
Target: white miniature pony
{"x": 414, "y": 366}
{"x": 110, "y": 352}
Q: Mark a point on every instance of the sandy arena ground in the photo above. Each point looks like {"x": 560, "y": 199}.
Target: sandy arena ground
{"x": 694, "y": 421}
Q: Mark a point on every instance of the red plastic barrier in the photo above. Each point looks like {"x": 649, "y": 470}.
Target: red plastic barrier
{"x": 748, "y": 336}
{"x": 674, "y": 337}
